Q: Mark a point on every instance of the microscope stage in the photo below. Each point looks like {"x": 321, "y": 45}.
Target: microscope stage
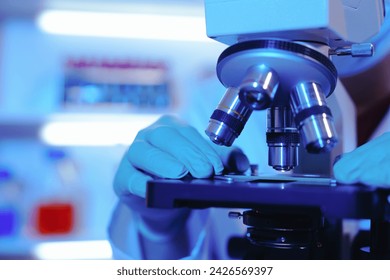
{"x": 334, "y": 200}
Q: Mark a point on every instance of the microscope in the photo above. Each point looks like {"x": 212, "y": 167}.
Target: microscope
{"x": 279, "y": 59}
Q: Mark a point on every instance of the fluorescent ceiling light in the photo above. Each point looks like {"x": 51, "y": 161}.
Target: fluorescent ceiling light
{"x": 73, "y": 250}
{"x": 124, "y": 25}
{"x": 94, "y": 130}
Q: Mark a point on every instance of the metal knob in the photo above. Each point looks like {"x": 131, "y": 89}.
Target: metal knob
{"x": 355, "y": 50}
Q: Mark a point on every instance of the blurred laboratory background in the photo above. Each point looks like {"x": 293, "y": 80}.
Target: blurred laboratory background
{"x": 78, "y": 79}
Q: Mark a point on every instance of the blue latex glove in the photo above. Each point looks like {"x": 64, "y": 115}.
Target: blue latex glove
{"x": 171, "y": 149}
{"x": 369, "y": 164}
{"x": 168, "y": 148}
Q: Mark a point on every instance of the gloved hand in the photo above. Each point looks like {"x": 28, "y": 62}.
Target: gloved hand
{"x": 168, "y": 148}
{"x": 369, "y": 164}
{"x": 171, "y": 149}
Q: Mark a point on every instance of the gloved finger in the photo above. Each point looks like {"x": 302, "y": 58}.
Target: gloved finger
{"x": 169, "y": 140}
{"x": 147, "y": 157}
{"x": 347, "y": 165}
{"x": 128, "y": 180}
{"x": 374, "y": 175}
{"x": 204, "y": 146}
{"x": 374, "y": 147}
{"x": 194, "y": 137}
{"x": 369, "y": 172}
{"x": 365, "y": 164}
{"x": 233, "y": 159}
{"x": 344, "y": 173}
{"x": 346, "y": 169}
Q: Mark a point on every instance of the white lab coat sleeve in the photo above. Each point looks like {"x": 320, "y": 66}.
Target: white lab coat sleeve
{"x": 123, "y": 235}
{"x": 125, "y": 241}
